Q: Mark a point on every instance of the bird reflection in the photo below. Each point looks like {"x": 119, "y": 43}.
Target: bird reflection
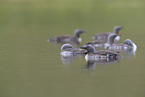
{"x": 69, "y": 59}
{"x": 92, "y": 63}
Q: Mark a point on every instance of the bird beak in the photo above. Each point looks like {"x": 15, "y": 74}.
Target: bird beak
{"x": 83, "y": 31}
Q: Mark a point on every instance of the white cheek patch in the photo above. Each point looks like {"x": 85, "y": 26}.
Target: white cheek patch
{"x": 79, "y": 39}
{"x": 117, "y": 38}
{"x": 86, "y": 57}
{"x": 134, "y": 47}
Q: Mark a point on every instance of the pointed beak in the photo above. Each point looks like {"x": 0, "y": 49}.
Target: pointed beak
{"x": 121, "y": 27}
{"x": 83, "y": 31}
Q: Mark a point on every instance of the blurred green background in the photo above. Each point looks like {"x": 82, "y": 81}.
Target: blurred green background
{"x": 32, "y": 67}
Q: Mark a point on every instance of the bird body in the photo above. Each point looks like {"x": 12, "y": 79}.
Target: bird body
{"x": 128, "y": 45}
{"x": 100, "y": 54}
{"x": 104, "y": 36}
{"x": 68, "y": 50}
{"x": 76, "y": 39}
{"x": 102, "y": 43}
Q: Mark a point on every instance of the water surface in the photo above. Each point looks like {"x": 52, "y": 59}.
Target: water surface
{"x": 32, "y": 67}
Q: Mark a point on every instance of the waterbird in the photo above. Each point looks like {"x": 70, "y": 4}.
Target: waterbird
{"x": 104, "y": 36}
{"x": 127, "y": 45}
{"x": 100, "y": 54}
{"x": 102, "y": 43}
{"x": 76, "y": 39}
{"x": 69, "y": 50}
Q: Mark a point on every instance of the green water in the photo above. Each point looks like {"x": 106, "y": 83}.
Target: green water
{"x": 32, "y": 67}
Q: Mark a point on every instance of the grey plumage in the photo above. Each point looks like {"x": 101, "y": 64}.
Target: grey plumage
{"x": 111, "y": 38}
{"x": 68, "y": 38}
{"x": 103, "y": 43}
{"x": 104, "y": 36}
{"x": 128, "y": 42}
{"x": 128, "y": 47}
{"x": 70, "y": 48}
{"x": 100, "y": 53}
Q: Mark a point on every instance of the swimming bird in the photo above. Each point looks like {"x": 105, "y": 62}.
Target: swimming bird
{"x": 76, "y": 39}
{"x": 69, "y": 50}
{"x": 128, "y": 45}
{"x": 104, "y": 36}
{"x": 100, "y": 54}
{"x": 102, "y": 43}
